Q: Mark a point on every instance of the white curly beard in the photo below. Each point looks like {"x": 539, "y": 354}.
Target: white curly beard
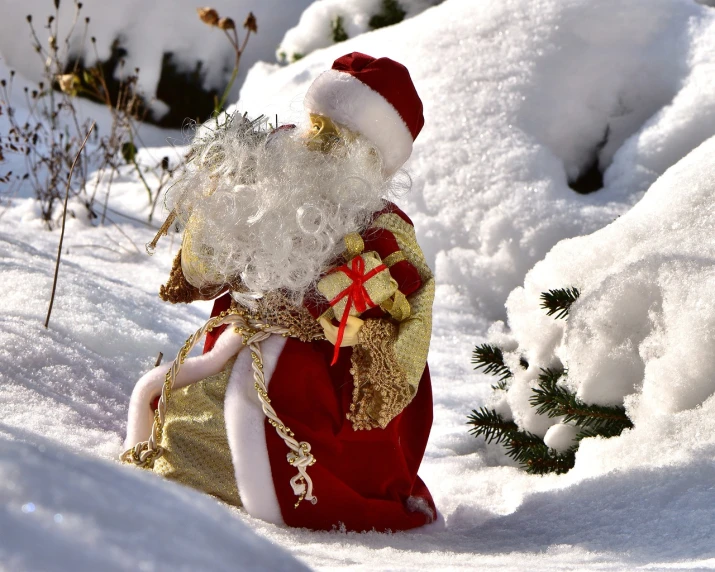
{"x": 279, "y": 224}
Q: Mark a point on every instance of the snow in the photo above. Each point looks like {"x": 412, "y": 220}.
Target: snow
{"x": 91, "y": 516}
{"x": 517, "y": 97}
{"x": 315, "y": 27}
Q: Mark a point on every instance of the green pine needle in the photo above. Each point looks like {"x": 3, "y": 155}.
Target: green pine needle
{"x": 559, "y": 301}
{"x": 390, "y": 13}
{"x": 551, "y": 462}
{"x": 524, "y": 447}
{"x": 338, "y": 30}
{"x": 491, "y": 425}
{"x": 491, "y": 359}
{"x": 554, "y": 400}
{"x": 500, "y": 386}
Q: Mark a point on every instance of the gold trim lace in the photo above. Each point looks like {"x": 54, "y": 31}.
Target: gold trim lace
{"x": 380, "y": 388}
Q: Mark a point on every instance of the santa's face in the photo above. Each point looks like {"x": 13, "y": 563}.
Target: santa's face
{"x": 271, "y": 213}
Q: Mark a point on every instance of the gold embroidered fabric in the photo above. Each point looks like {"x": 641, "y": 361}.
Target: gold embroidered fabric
{"x": 194, "y": 438}
{"x": 275, "y": 309}
{"x": 413, "y": 338}
{"x": 380, "y": 387}
{"x": 178, "y": 290}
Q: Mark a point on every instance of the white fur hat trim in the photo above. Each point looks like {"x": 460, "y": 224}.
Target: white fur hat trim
{"x": 348, "y": 101}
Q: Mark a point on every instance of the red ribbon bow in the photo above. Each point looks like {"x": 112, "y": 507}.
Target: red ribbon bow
{"x": 356, "y": 293}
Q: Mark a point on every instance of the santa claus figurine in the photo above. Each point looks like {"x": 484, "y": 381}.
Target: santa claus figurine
{"x": 311, "y": 404}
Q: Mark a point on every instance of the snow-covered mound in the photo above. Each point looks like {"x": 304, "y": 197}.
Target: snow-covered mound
{"x": 323, "y": 21}
{"x": 521, "y": 97}
{"x": 63, "y": 511}
{"x": 643, "y": 328}
{"x": 148, "y": 30}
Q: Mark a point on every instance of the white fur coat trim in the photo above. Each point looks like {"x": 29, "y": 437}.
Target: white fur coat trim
{"x": 141, "y": 415}
{"x": 246, "y": 430}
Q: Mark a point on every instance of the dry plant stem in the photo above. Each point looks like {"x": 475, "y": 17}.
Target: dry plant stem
{"x": 128, "y": 217}
{"x": 143, "y": 180}
{"x": 114, "y": 241}
{"x": 239, "y": 52}
{"x": 151, "y": 247}
{"x": 106, "y": 196}
{"x": 64, "y": 219}
{"x": 119, "y": 228}
{"x": 156, "y": 197}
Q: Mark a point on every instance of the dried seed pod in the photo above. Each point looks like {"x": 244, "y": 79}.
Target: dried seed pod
{"x": 226, "y": 24}
{"x": 208, "y": 15}
{"x": 250, "y": 24}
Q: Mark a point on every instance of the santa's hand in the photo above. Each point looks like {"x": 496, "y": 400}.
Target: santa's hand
{"x": 350, "y": 335}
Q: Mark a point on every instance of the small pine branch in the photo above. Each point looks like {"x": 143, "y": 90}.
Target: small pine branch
{"x": 524, "y": 447}
{"x": 500, "y": 386}
{"x": 489, "y": 424}
{"x": 535, "y": 456}
{"x": 550, "y": 398}
{"x": 491, "y": 359}
{"x": 607, "y": 431}
{"x": 338, "y": 30}
{"x": 390, "y": 13}
{"x": 551, "y": 462}
{"x": 559, "y": 301}
{"x": 554, "y": 400}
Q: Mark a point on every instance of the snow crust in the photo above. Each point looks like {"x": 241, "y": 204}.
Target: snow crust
{"x": 517, "y": 97}
{"x": 315, "y": 27}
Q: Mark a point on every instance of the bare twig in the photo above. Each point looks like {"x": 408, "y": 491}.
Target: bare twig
{"x": 119, "y": 228}
{"x": 64, "y": 219}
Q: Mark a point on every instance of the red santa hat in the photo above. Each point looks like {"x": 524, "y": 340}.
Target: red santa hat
{"x": 374, "y": 97}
